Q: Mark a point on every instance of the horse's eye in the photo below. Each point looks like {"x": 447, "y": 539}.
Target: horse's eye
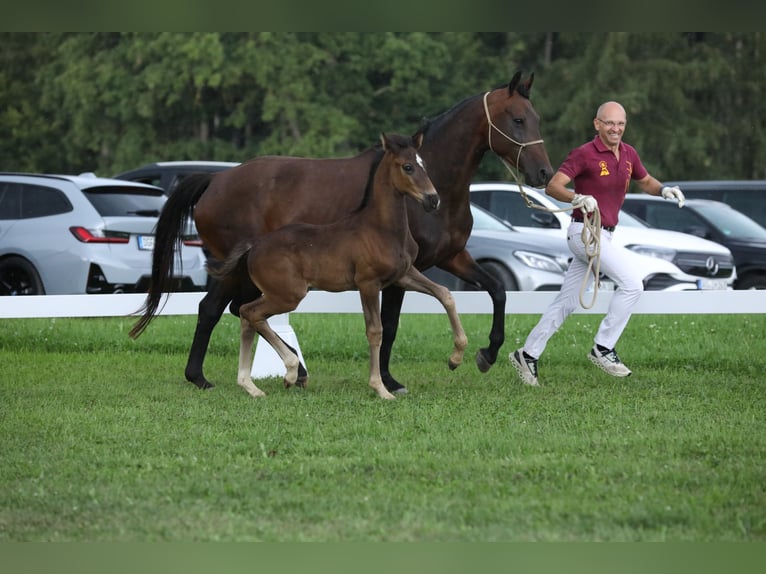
{"x": 518, "y": 121}
{"x": 407, "y": 167}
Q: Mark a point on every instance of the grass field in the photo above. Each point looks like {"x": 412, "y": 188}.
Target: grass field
{"x": 103, "y": 440}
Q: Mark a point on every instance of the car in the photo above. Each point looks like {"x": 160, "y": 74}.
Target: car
{"x": 529, "y": 261}
{"x": 746, "y": 196}
{"x": 695, "y": 263}
{"x": 712, "y": 220}
{"x": 521, "y": 261}
{"x": 168, "y": 174}
{"x": 64, "y": 234}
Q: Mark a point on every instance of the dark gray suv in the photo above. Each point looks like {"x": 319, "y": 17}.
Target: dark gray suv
{"x": 747, "y": 196}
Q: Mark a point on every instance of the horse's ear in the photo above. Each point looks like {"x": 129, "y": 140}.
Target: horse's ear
{"x": 529, "y": 81}
{"x": 514, "y": 82}
{"x": 384, "y": 141}
{"x": 417, "y": 140}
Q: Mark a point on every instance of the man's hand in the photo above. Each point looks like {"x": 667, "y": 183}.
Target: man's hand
{"x": 587, "y": 203}
{"x": 674, "y": 193}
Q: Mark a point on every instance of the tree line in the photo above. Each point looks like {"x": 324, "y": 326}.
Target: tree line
{"x": 108, "y": 102}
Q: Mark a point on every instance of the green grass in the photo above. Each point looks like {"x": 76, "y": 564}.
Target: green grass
{"x": 103, "y": 440}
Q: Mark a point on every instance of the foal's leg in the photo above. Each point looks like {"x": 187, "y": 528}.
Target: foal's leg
{"x": 414, "y": 280}
{"x": 288, "y": 355}
{"x": 257, "y": 313}
{"x": 247, "y": 335}
{"x": 249, "y": 292}
{"x": 371, "y": 308}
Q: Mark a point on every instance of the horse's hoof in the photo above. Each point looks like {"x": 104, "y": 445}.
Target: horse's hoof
{"x": 400, "y": 391}
{"x": 481, "y": 361}
{"x": 203, "y": 385}
{"x": 302, "y": 381}
{"x": 453, "y": 365}
{"x": 393, "y": 386}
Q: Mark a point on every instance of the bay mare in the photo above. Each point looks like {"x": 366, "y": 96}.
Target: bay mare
{"x": 268, "y": 192}
{"x": 364, "y": 251}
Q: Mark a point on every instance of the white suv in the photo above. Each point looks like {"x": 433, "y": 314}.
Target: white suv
{"x": 62, "y": 234}
{"x": 673, "y": 261}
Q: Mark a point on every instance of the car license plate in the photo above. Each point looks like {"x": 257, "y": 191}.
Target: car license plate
{"x": 712, "y": 284}
{"x": 146, "y": 242}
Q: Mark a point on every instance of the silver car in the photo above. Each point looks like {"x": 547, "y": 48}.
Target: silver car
{"x": 62, "y": 234}
{"x": 522, "y": 261}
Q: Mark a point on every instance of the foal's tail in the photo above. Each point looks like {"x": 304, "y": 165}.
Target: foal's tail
{"x": 238, "y": 255}
{"x": 173, "y": 220}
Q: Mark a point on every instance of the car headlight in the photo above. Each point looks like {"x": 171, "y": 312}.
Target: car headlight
{"x": 665, "y": 253}
{"x": 542, "y": 262}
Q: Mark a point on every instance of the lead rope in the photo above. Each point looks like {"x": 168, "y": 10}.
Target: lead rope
{"x": 591, "y": 229}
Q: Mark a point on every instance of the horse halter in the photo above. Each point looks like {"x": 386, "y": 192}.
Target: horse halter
{"x": 506, "y": 136}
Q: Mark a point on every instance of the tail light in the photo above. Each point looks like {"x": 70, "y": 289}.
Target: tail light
{"x": 99, "y": 236}
{"x": 192, "y": 241}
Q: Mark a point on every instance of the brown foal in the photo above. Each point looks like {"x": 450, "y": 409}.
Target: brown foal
{"x": 365, "y": 251}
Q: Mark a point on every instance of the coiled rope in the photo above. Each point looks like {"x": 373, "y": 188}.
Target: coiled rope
{"x": 590, "y": 236}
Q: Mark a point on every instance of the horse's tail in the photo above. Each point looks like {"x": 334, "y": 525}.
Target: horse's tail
{"x": 168, "y": 237}
{"x": 220, "y": 269}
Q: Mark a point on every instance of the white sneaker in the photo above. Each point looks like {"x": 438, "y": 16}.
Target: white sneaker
{"x": 609, "y": 362}
{"x": 527, "y": 368}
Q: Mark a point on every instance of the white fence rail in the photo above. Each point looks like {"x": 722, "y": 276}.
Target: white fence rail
{"x": 518, "y": 303}
{"x": 267, "y": 363}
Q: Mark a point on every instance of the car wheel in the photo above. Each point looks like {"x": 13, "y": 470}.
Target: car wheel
{"x": 755, "y": 281}
{"x": 19, "y": 277}
{"x": 497, "y": 270}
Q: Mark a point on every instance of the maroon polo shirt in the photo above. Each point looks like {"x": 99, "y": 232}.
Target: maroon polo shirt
{"x": 596, "y": 171}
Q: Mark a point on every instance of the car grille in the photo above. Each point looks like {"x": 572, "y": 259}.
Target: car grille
{"x": 660, "y": 282}
{"x": 705, "y": 264}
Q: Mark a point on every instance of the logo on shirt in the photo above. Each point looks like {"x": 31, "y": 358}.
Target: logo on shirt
{"x": 604, "y": 169}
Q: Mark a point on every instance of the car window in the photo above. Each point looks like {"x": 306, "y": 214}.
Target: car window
{"x": 485, "y": 221}
{"x": 630, "y": 220}
{"x": 658, "y": 215}
{"x": 748, "y": 201}
{"x": 732, "y": 223}
{"x": 151, "y": 179}
{"x": 24, "y": 201}
{"x": 514, "y": 209}
{"x": 509, "y": 206}
{"x": 10, "y": 201}
{"x": 113, "y": 201}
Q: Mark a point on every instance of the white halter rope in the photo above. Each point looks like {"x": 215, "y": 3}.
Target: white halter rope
{"x": 506, "y": 136}
{"x": 591, "y": 231}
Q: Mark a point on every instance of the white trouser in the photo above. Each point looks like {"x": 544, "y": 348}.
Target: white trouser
{"x": 616, "y": 263}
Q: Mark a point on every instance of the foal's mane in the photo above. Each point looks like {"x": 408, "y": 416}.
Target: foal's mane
{"x": 397, "y": 140}
{"x": 370, "y": 177}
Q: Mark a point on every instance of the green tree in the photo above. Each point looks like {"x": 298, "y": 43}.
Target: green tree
{"x": 106, "y": 102}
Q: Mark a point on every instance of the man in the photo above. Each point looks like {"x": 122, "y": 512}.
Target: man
{"x": 601, "y": 171}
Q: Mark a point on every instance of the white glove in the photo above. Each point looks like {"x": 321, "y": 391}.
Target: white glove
{"x": 587, "y": 203}
{"x": 674, "y": 193}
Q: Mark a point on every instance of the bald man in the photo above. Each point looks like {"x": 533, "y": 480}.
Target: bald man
{"x": 601, "y": 170}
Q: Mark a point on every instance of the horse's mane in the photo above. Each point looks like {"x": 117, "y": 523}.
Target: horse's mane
{"x": 427, "y": 123}
{"x": 521, "y": 88}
